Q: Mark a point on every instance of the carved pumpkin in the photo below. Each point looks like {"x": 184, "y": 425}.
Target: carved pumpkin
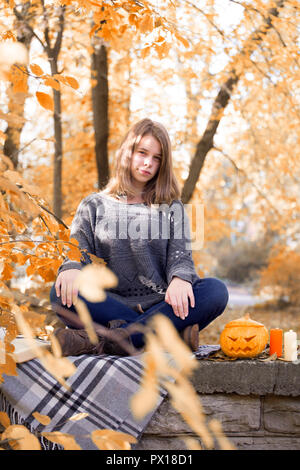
{"x": 243, "y": 337}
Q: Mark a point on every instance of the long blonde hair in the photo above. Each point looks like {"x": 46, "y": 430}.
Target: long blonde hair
{"x": 163, "y": 187}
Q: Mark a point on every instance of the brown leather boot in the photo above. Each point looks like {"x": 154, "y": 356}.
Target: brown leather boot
{"x": 76, "y": 342}
{"x": 118, "y": 341}
{"x": 190, "y": 336}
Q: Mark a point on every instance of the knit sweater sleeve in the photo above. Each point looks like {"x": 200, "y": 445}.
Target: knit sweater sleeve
{"x": 82, "y": 229}
{"x": 179, "y": 256}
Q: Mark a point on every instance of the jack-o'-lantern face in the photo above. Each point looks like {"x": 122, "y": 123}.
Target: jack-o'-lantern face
{"x": 243, "y": 338}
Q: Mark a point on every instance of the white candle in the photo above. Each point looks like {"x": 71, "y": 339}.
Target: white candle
{"x": 290, "y": 345}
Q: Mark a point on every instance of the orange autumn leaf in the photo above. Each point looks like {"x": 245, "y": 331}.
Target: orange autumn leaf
{"x": 45, "y": 100}
{"x": 66, "y": 440}
{"x": 49, "y": 81}
{"x": 19, "y": 79}
{"x": 4, "y": 419}
{"x": 145, "y": 51}
{"x": 64, "y": 234}
{"x": 2, "y": 135}
{"x": 36, "y": 69}
{"x": 146, "y": 24}
{"x": 107, "y": 439}
{"x": 9, "y": 368}
{"x": 78, "y": 417}
{"x": 43, "y": 419}
{"x": 74, "y": 253}
{"x": 20, "y": 438}
{"x": 145, "y": 399}
{"x": 93, "y": 30}
{"x": 71, "y": 81}
{"x": 182, "y": 40}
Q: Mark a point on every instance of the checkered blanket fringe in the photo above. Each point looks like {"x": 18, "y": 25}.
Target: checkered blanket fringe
{"x": 16, "y": 418}
{"x": 101, "y": 386}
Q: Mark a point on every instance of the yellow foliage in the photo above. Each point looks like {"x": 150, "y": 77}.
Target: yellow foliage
{"x": 45, "y": 100}
{"x": 36, "y": 69}
{"x": 282, "y": 275}
{"x": 70, "y": 81}
{"x": 18, "y": 79}
{"x": 43, "y": 419}
{"x": 4, "y": 419}
{"x": 49, "y": 81}
{"x": 20, "y": 438}
{"x": 66, "y": 440}
{"x": 106, "y": 439}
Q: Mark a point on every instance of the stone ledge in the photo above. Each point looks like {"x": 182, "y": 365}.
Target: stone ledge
{"x": 247, "y": 377}
{"x": 256, "y": 402}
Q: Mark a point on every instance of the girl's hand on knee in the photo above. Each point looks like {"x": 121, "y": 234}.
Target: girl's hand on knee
{"x": 177, "y": 295}
{"x": 65, "y": 287}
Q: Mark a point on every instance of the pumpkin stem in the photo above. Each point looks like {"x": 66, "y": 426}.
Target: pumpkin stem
{"x": 247, "y": 316}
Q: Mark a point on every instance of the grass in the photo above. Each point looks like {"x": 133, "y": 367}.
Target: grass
{"x": 269, "y": 314}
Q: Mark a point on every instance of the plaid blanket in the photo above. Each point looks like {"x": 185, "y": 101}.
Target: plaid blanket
{"x": 101, "y": 386}
{"x": 205, "y": 350}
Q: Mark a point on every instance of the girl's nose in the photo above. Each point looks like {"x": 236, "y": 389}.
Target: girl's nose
{"x": 148, "y": 161}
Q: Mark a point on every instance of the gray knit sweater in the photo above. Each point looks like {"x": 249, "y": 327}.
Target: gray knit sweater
{"x": 145, "y": 246}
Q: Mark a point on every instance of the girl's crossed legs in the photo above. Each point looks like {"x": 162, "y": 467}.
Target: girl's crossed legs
{"x": 211, "y": 298}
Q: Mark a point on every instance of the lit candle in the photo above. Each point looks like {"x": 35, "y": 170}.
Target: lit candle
{"x": 290, "y": 345}
{"x": 276, "y": 342}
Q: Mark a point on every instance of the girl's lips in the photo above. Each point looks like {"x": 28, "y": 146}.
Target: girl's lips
{"x": 145, "y": 172}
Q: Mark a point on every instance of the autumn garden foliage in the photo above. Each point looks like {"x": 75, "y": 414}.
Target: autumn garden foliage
{"x": 234, "y": 125}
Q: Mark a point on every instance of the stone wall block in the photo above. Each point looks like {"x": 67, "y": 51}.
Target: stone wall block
{"x": 149, "y": 442}
{"x": 246, "y": 377}
{"x": 167, "y": 420}
{"x": 235, "y": 413}
{"x": 241, "y": 377}
{"x": 282, "y": 415}
{"x": 265, "y": 443}
{"x": 287, "y": 378}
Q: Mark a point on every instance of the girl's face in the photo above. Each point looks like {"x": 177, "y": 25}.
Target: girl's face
{"x": 145, "y": 160}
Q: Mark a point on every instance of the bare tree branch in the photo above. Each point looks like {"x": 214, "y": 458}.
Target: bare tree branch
{"x": 58, "y": 41}
{"x": 240, "y": 170}
{"x": 205, "y": 144}
{"x": 46, "y": 30}
{"x": 21, "y": 18}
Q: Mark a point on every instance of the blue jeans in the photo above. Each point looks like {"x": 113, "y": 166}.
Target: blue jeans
{"x": 211, "y": 297}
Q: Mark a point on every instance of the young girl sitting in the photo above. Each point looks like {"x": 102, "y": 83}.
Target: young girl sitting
{"x": 138, "y": 225}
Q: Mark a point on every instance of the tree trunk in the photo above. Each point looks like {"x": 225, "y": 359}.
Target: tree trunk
{"x": 58, "y": 145}
{"x": 58, "y": 148}
{"x": 13, "y": 131}
{"x": 52, "y": 54}
{"x": 99, "y": 70}
{"x": 17, "y": 100}
{"x": 206, "y": 142}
